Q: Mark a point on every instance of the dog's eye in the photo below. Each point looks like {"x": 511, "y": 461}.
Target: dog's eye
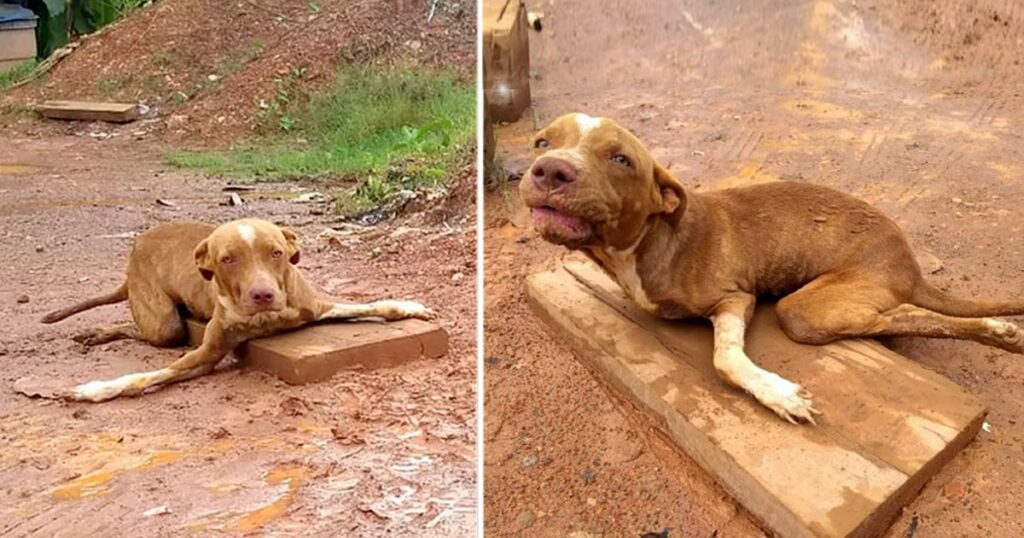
{"x": 277, "y": 254}
{"x": 541, "y": 143}
{"x": 227, "y": 260}
{"x": 621, "y": 159}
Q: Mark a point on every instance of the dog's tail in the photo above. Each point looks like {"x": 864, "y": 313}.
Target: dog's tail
{"x": 927, "y": 296}
{"x": 116, "y": 296}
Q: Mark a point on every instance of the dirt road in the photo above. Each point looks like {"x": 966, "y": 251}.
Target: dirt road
{"x": 906, "y": 105}
{"x": 236, "y": 452}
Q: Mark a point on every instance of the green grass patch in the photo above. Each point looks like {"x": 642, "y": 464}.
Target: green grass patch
{"x": 16, "y": 74}
{"x": 390, "y": 129}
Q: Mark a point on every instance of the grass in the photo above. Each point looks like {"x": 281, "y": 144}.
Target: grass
{"x": 391, "y": 129}
{"x": 16, "y": 74}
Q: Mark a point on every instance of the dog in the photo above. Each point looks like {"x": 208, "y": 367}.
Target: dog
{"x": 240, "y": 276}
{"x": 841, "y": 267}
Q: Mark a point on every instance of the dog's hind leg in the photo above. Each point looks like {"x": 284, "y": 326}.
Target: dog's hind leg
{"x": 103, "y": 335}
{"x": 818, "y": 314}
{"x": 785, "y": 398}
{"x": 156, "y": 314}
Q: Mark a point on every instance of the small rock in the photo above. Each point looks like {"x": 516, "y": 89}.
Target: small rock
{"x": 929, "y": 262}
{"x": 530, "y": 461}
{"x": 235, "y": 200}
{"x": 955, "y": 490}
{"x": 526, "y": 518}
{"x": 588, "y": 476}
{"x": 166, "y": 203}
{"x": 457, "y": 277}
{"x": 820, "y": 218}
{"x": 591, "y": 501}
{"x": 491, "y": 360}
{"x": 22, "y": 299}
{"x": 159, "y": 510}
{"x": 39, "y": 248}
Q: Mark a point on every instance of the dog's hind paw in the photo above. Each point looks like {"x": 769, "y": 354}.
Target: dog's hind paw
{"x": 90, "y": 338}
{"x": 786, "y": 399}
{"x": 1006, "y": 335}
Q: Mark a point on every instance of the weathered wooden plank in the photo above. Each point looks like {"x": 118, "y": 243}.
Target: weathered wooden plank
{"x": 888, "y": 424}
{"x": 316, "y": 352}
{"x": 89, "y": 111}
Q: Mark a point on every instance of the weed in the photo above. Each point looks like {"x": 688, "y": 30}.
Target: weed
{"x": 395, "y": 129}
{"x": 16, "y": 74}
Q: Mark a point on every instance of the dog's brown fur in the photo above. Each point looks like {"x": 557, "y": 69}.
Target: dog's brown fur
{"x": 240, "y": 276}
{"x": 843, "y": 267}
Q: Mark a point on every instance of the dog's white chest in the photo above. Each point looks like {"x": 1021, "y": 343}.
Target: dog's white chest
{"x": 622, "y": 265}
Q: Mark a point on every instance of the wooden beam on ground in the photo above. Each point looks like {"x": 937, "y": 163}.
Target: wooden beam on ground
{"x": 316, "y": 352}
{"x": 88, "y": 111}
{"x": 888, "y": 426}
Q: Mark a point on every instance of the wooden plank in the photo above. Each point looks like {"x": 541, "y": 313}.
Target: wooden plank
{"x": 317, "y": 352}
{"x": 88, "y": 111}
{"x": 888, "y": 424}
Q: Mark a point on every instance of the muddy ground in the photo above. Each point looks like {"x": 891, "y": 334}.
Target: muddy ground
{"x": 236, "y": 452}
{"x": 912, "y": 106}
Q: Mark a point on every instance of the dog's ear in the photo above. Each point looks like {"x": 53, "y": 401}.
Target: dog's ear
{"x": 294, "y": 252}
{"x": 203, "y": 262}
{"x": 673, "y": 196}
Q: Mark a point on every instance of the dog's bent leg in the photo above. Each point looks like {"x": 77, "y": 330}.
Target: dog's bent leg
{"x": 787, "y": 399}
{"x": 197, "y": 362}
{"x": 110, "y": 333}
{"x": 818, "y": 315}
{"x": 388, "y": 310}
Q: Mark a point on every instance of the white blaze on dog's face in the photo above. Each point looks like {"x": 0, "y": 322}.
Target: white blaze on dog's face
{"x": 593, "y": 182}
{"x": 249, "y": 259}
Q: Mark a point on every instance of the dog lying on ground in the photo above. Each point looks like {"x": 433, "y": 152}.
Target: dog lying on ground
{"x": 842, "y": 268}
{"x": 241, "y": 276}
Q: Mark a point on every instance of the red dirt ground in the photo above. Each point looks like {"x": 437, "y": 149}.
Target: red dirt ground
{"x": 912, "y": 106}
{"x": 236, "y": 452}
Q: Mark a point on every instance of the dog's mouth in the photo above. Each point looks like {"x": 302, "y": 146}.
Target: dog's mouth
{"x": 560, "y": 227}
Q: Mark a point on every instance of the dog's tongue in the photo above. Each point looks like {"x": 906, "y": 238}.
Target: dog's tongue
{"x": 546, "y": 219}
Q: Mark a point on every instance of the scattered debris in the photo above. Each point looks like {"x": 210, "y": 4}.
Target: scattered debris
{"x": 914, "y": 522}
{"x": 235, "y": 200}
{"x": 238, "y": 188}
{"x": 158, "y": 511}
{"x": 39, "y": 387}
{"x": 310, "y": 197}
{"x": 530, "y": 461}
{"x": 929, "y": 263}
{"x": 987, "y": 427}
{"x": 534, "y": 19}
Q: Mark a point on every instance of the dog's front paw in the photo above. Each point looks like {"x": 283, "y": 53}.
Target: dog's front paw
{"x": 786, "y": 398}
{"x": 396, "y": 310}
{"x": 95, "y": 391}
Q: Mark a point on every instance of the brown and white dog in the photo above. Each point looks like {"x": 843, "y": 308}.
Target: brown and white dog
{"x": 842, "y": 268}
{"x": 241, "y": 276}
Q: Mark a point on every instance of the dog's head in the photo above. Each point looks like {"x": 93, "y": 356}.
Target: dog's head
{"x": 594, "y": 183}
{"x": 250, "y": 260}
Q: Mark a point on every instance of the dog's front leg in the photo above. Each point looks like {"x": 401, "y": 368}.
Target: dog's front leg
{"x": 787, "y": 399}
{"x": 197, "y": 362}
{"x": 388, "y": 310}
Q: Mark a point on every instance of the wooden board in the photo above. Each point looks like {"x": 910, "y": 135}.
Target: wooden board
{"x": 888, "y": 426}
{"x": 316, "y": 352}
{"x": 86, "y": 111}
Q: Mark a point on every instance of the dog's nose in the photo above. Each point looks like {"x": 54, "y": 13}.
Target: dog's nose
{"x": 551, "y": 173}
{"x": 262, "y": 296}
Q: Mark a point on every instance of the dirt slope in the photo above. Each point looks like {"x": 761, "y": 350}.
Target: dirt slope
{"x": 204, "y": 67}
